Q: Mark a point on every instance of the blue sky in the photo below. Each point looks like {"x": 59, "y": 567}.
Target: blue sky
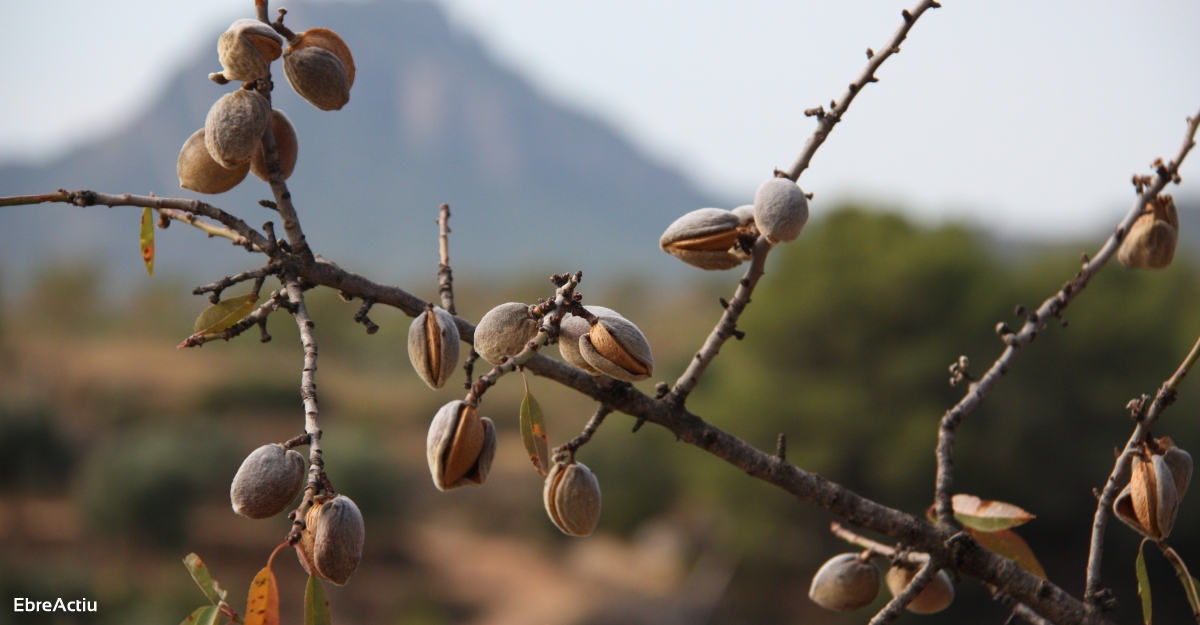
{"x": 1024, "y": 116}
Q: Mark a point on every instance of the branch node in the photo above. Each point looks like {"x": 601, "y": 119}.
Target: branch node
{"x": 781, "y": 447}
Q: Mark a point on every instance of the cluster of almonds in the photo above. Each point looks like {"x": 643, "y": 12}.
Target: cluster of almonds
{"x": 850, "y": 581}
{"x": 461, "y": 444}
{"x": 269, "y": 480}
{"x": 1160, "y": 478}
{"x": 717, "y": 239}
{"x": 1151, "y": 241}
{"x": 319, "y": 67}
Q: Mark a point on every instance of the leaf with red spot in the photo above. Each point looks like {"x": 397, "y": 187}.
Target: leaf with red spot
{"x": 533, "y": 433}
{"x": 146, "y": 240}
{"x": 262, "y": 606}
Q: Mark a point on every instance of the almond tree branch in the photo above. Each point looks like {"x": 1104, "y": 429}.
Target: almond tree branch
{"x": 1036, "y": 322}
{"x": 308, "y": 390}
{"x": 258, "y": 316}
{"x": 213, "y": 230}
{"x": 894, "y": 607}
{"x": 1094, "y": 594}
{"x": 916, "y": 558}
{"x": 726, "y": 327}
{"x": 279, "y": 188}
{"x": 827, "y": 120}
{"x": 194, "y": 207}
{"x": 445, "y": 275}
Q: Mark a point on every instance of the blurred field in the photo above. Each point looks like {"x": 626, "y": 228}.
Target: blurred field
{"x": 118, "y": 448}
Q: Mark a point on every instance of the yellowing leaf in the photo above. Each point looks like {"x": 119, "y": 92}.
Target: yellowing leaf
{"x": 316, "y": 606}
{"x": 199, "y": 572}
{"x": 262, "y": 607}
{"x": 1143, "y": 580}
{"x": 203, "y": 616}
{"x": 1008, "y": 544}
{"x": 224, "y": 314}
{"x": 533, "y": 433}
{"x": 146, "y": 240}
{"x": 988, "y": 516}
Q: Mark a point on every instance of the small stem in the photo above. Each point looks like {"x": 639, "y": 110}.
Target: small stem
{"x": 568, "y": 450}
{"x": 445, "y": 275}
{"x": 308, "y": 391}
{"x": 912, "y": 557}
{"x": 894, "y": 607}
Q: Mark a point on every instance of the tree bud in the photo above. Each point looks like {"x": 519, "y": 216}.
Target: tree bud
{"x": 332, "y": 540}
{"x": 460, "y": 446}
{"x": 936, "y": 596}
{"x": 572, "y": 497}
{"x": 287, "y": 146}
{"x": 267, "y": 482}
{"x": 235, "y": 126}
{"x": 1159, "y": 479}
{"x": 320, "y": 68}
{"x": 845, "y": 583}
{"x": 247, "y": 49}
{"x": 617, "y": 348}
{"x": 703, "y": 238}
{"x": 504, "y": 331}
{"x": 780, "y": 210}
{"x": 199, "y": 172}
{"x": 571, "y": 329}
{"x": 1151, "y": 241}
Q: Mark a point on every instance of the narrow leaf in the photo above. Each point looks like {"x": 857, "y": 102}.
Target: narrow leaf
{"x": 199, "y": 572}
{"x": 316, "y": 606}
{"x": 533, "y": 432}
{"x": 1143, "y": 580}
{"x": 224, "y": 314}
{"x": 262, "y": 607}
{"x": 203, "y": 616}
{"x": 988, "y": 516}
{"x": 146, "y": 239}
{"x": 1008, "y": 544}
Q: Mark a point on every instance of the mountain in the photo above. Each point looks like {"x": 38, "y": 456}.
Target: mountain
{"x": 532, "y": 185}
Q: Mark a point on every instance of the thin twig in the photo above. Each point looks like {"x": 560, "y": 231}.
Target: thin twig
{"x": 308, "y": 391}
{"x": 1164, "y": 398}
{"x": 361, "y": 316}
{"x": 216, "y": 288}
{"x": 92, "y": 198}
{"x": 915, "y": 558}
{"x": 258, "y": 316}
{"x": 725, "y": 327}
{"x": 894, "y": 607}
{"x": 827, "y": 120}
{"x": 212, "y": 230}
{"x": 445, "y": 275}
{"x": 1036, "y": 322}
{"x": 568, "y": 449}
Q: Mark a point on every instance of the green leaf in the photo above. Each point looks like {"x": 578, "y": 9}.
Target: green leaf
{"x": 262, "y": 606}
{"x": 1191, "y": 586}
{"x": 533, "y": 432}
{"x": 199, "y": 572}
{"x": 224, "y": 314}
{"x": 316, "y": 606}
{"x": 146, "y": 239}
{"x": 203, "y": 616}
{"x": 988, "y": 516}
{"x": 1008, "y": 544}
{"x": 1143, "y": 580}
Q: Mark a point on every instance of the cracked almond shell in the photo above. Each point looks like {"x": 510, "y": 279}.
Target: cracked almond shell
{"x": 617, "y": 348}
{"x": 247, "y": 49}
{"x": 571, "y": 329}
{"x": 845, "y": 583}
{"x": 234, "y": 127}
{"x": 433, "y": 346}
{"x": 320, "y": 68}
{"x": 460, "y": 446}
{"x": 199, "y": 172}
{"x": 937, "y": 595}
{"x": 504, "y": 331}
{"x": 572, "y": 498}
{"x": 780, "y": 210}
{"x": 332, "y": 539}
{"x": 703, "y": 238}
{"x": 287, "y": 146}
{"x": 1151, "y": 241}
{"x": 268, "y": 481}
